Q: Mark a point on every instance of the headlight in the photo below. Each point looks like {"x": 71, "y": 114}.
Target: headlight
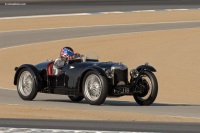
{"x": 134, "y": 73}
{"x": 109, "y": 73}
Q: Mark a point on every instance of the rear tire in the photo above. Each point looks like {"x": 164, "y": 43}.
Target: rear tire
{"x": 26, "y": 86}
{"x": 95, "y": 88}
{"x": 149, "y": 96}
{"x": 76, "y": 98}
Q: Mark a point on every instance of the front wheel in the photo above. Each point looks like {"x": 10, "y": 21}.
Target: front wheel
{"x": 95, "y": 88}
{"x": 149, "y": 86}
{"x": 26, "y": 86}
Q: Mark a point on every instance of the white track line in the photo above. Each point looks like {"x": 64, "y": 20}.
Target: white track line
{"x": 39, "y": 130}
{"x": 178, "y": 116}
{"x": 93, "y": 13}
{"x": 109, "y": 25}
{"x": 59, "y": 15}
{"x": 45, "y": 16}
{"x": 3, "y": 88}
{"x": 37, "y": 43}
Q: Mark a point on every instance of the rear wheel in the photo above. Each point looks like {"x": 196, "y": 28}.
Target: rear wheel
{"x": 148, "y": 86}
{"x": 76, "y": 98}
{"x": 95, "y": 88}
{"x": 26, "y": 85}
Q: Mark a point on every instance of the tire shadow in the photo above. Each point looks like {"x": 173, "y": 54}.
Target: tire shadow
{"x": 115, "y": 103}
{"x": 129, "y": 103}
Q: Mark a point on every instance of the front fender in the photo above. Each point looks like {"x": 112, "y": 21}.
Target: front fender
{"x": 94, "y": 68}
{"x": 33, "y": 70}
{"x": 91, "y": 68}
{"x": 146, "y": 67}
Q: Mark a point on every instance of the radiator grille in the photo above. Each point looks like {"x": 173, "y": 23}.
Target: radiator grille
{"x": 120, "y": 75}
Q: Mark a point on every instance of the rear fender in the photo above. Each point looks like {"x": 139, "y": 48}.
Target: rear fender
{"x": 33, "y": 70}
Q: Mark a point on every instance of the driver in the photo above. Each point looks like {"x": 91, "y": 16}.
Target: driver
{"x": 66, "y": 54}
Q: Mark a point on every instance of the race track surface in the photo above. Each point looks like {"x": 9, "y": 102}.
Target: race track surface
{"x": 15, "y": 38}
{"x": 91, "y": 6}
{"x": 62, "y": 101}
{"x": 96, "y": 126}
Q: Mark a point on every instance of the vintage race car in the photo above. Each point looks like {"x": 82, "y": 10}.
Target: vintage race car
{"x": 85, "y": 77}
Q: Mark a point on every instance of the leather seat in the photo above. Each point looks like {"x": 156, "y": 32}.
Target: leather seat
{"x": 50, "y": 69}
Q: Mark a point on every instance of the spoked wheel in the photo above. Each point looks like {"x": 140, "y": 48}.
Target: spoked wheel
{"x": 148, "y": 87}
{"x": 94, "y": 88}
{"x": 26, "y": 85}
{"x": 76, "y": 98}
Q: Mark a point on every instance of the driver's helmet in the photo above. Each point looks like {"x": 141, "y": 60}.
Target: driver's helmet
{"x": 67, "y": 53}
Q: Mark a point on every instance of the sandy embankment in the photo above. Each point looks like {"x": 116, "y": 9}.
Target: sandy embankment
{"x": 33, "y": 112}
{"x": 100, "y": 19}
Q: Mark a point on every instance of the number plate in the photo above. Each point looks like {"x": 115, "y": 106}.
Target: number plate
{"x": 125, "y": 90}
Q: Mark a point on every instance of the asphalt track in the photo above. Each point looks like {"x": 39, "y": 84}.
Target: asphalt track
{"x": 91, "y": 6}
{"x": 100, "y": 125}
{"x": 15, "y": 38}
{"x": 61, "y": 101}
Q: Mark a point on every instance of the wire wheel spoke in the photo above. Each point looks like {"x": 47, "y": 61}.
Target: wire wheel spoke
{"x": 25, "y": 83}
{"x": 93, "y": 87}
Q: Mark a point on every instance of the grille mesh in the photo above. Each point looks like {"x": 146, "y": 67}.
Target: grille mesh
{"x": 120, "y": 75}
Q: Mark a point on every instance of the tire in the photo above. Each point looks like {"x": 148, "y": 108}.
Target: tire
{"x": 76, "y": 98}
{"x": 29, "y": 91}
{"x": 97, "y": 93}
{"x": 150, "y": 93}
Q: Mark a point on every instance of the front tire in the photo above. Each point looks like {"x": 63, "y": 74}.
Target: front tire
{"x": 95, "y": 88}
{"x": 26, "y": 86}
{"x": 76, "y": 98}
{"x": 149, "y": 83}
